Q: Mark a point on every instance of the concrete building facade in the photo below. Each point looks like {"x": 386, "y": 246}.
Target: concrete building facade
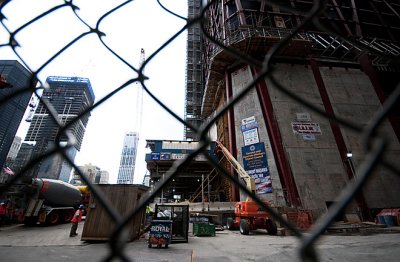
{"x": 304, "y": 155}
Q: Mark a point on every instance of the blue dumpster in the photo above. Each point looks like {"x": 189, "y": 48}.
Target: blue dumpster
{"x": 389, "y": 221}
{"x": 381, "y": 220}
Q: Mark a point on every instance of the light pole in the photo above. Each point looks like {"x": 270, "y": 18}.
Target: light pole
{"x": 349, "y": 156}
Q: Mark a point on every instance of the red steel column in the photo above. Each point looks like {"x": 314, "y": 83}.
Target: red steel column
{"x": 337, "y": 133}
{"x": 370, "y": 71}
{"x": 231, "y": 133}
{"x": 285, "y": 173}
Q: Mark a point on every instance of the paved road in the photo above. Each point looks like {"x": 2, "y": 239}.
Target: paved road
{"x": 19, "y": 243}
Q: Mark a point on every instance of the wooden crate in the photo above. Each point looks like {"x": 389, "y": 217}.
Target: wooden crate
{"x": 99, "y": 226}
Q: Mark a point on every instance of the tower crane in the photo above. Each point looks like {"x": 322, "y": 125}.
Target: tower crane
{"x": 128, "y": 157}
{"x": 139, "y": 96}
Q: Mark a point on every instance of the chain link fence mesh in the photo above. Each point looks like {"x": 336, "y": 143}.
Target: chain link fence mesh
{"x": 374, "y": 143}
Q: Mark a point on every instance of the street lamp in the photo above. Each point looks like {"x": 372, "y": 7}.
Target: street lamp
{"x": 349, "y": 156}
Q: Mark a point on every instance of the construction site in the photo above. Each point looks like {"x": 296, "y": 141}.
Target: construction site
{"x": 291, "y": 128}
{"x": 299, "y": 160}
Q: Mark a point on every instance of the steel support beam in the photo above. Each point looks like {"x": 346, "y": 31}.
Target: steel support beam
{"x": 337, "y": 133}
{"x": 232, "y": 133}
{"x": 285, "y": 173}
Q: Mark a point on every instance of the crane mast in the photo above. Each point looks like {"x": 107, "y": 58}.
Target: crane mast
{"x": 139, "y": 96}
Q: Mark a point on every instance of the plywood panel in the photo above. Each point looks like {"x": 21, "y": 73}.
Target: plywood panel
{"x": 99, "y": 226}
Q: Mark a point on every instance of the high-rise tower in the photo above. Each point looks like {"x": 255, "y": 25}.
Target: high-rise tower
{"x": 69, "y": 96}
{"x": 348, "y": 74}
{"x": 14, "y": 77}
{"x": 194, "y": 73}
{"x": 128, "y": 159}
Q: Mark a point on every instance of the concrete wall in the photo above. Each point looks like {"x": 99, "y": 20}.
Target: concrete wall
{"x": 248, "y": 107}
{"x": 318, "y": 169}
{"x": 353, "y": 97}
{"x": 315, "y": 162}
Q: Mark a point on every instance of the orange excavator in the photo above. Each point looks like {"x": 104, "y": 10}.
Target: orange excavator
{"x": 248, "y": 214}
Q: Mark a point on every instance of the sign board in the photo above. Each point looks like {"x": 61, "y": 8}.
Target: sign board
{"x": 155, "y": 156}
{"x": 165, "y": 156}
{"x": 306, "y": 128}
{"x": 256, "y": 165}
{"x": 160, "y": 156}
{"x": 305, "y": 117}
{"x": 309, "y": 137}
{"x": 248, "y": 120}
{"x": 248, "y": 126}
{"x": 176, "y": 156}
{"x": 250, "y": 137}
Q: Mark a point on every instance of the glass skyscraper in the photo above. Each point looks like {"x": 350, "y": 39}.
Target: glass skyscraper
{"x": 128, "y": 159}
{"x": 14, "y": 78}
{"x": 69, "y": 96}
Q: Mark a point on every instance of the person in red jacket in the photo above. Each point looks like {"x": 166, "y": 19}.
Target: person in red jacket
{"x": 75, "y": 220}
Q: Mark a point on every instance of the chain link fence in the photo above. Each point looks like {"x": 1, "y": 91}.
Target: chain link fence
{"x": 374, "y": 143}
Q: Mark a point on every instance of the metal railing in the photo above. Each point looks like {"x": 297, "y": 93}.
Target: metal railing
{"x": 375, "y": 145}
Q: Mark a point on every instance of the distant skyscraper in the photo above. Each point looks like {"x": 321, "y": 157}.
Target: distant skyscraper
{"x": 25, "y": 154}
{"x": 69, "y": 96}
{"x": 128, "y": 159}
{"x": 13, "y": 77}
{"x": 16, "y": 145}
{"x": 104, "y": 177}
{"x": 146, "y": 179}
{"x": 93, "y": 173}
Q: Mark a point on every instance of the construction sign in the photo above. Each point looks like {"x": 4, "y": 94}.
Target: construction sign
{"x": 249, "y": 130}
{"x": 256, "y": 165}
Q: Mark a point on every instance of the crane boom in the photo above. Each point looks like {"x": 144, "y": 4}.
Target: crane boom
{"x": 139, "y": 96}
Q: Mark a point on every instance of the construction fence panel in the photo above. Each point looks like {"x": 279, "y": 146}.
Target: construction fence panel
{"x": 374, "y": 143}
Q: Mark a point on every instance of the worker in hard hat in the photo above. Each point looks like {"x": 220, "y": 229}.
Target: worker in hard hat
{"x": 149, "y": 213}
{"x": 75, "y": 220}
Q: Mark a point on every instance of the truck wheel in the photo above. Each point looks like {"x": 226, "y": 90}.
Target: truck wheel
{"x": 272, "y": 229}
{"x": 68, "y": 216}
{"x": 229, "y": 223}
{"x": 53, "y": 218}
{"x": 244, "y": 227}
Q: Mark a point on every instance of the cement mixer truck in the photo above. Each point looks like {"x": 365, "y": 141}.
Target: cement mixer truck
{"x": 44, "y": 201}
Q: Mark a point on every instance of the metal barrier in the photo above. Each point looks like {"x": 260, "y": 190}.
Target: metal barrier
{"x": 374, "y": 144}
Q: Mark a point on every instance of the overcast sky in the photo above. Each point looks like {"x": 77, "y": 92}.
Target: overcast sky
{"x": 139, "y": 24}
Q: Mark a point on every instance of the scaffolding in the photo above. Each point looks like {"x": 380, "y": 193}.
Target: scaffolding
{"x": 253, "y": 27}
{"x": 194, "y": 78}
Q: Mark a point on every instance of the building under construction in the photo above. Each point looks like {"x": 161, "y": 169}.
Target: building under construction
{"x": 347, "y": 65}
